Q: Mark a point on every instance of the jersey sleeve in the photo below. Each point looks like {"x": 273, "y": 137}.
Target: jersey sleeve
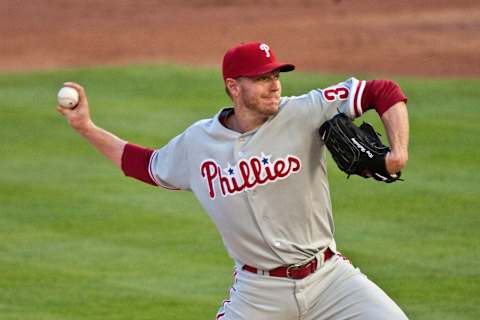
{"x": 135, "y": 162}
{"x": 344, "y": 97}
{"x": 319, "y": 105}
{"x": 169, "y": 166}
{"x": 381, "y": 95}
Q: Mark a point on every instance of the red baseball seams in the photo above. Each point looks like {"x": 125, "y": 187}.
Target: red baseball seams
{"x": 254, "y": 171}
{"x": 381, "y": 95}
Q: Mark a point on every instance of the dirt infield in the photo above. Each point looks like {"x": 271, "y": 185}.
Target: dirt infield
{"x": 431, "y": 38}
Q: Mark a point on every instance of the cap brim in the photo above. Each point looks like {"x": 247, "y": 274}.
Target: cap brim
{"x": 282, "y": 67}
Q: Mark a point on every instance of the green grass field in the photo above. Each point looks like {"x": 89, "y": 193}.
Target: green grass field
{"x": 80, "y": 241}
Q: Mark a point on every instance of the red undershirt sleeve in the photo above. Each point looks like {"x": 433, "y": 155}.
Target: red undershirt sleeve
{"x": 381, "y": 95}
{"x": 136, "y": 161}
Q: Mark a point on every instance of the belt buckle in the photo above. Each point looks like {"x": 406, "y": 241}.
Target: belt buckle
{"x": 297, "y": 266}
{"x": 290, "y": 268}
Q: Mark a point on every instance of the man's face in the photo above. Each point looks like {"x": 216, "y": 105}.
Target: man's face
{"x": 261, "y": 94}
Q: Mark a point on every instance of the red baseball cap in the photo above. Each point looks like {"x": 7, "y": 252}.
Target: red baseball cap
{"x": 251, "y": 59}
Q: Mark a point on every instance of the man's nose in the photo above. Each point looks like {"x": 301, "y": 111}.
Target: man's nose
{"x": 274, "y": 84}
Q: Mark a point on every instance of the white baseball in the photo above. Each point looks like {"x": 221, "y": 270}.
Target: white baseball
{"x": 67, "y": 97}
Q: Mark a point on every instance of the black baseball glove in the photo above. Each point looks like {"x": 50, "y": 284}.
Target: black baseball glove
{"x": 356, "y": 150}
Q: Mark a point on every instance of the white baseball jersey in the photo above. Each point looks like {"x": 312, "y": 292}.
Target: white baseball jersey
{"x": 266, "y": 190}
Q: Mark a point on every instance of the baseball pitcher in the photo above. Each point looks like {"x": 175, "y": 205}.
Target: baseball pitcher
{"x": 258, "y": 169}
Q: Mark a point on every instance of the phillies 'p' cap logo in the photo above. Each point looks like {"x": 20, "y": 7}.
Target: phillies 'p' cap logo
{"x": 266, "y": 48}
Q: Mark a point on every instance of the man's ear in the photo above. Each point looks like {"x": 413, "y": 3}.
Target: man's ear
{"x": 232, "y": 86}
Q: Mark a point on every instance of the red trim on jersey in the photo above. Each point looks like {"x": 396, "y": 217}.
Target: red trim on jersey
{"x": 135, "y": 162}
{"x": 355, "y": 104}
{"x": 381, "y": 95}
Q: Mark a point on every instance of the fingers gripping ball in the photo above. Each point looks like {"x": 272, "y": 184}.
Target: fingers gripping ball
{"x": 67, "y": 97}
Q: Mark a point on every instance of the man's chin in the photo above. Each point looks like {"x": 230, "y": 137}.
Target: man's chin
{"x": 265, "y": 109}
{"x": 270, "y": 109}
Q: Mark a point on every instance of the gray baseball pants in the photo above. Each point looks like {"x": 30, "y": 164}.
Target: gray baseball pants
{"x": 337, "y": 290}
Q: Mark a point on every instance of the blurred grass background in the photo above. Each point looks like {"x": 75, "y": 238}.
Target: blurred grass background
{"x": 80, "y": 241}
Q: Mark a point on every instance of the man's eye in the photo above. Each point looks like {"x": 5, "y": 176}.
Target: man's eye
{"x": 268, "y": 78}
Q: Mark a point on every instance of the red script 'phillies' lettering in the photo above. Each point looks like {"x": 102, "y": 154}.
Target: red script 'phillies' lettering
{"x": 247, "y": 174}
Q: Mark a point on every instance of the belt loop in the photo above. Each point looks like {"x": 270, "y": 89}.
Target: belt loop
{"x": 319, "y": 256}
